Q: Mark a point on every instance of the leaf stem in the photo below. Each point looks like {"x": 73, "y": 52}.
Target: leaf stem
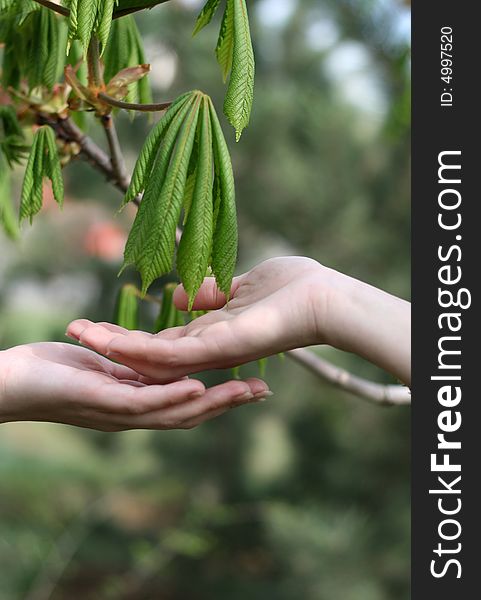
{"x": 93, "y": 63}
{"x": 133, "y": 106}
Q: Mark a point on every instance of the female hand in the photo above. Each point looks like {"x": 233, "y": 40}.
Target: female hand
{"x": 65, "y": 384}
{"x": 281, "y": 304}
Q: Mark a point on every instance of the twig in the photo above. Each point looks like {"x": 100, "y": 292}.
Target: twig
{"x": 385, "y": 395}
{"x": 93, "y": 63}
{"x": 127, "y": 11}
{"x": 61, "y": 10}
{"x": 93, "y": 153}
{"x": 133, "y": 106}
{"x": 117, "y": 158}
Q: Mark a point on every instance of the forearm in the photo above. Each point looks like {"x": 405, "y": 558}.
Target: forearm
{"x": 372, "y": 324}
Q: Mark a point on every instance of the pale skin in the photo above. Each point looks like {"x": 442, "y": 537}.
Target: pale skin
{"x": 281, "y": 304}
{"x": 62, "y": 383}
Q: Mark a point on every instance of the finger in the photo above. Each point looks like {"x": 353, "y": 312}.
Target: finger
{"x": 216, "y": 399}
{"x": 112, "y": 327}
{"x": 120, "y": 372}
{"x": 191, "y": 423}
{"x": 167, "y": 359}
{"x": 129, "y": 401}
{"x": 101, "y": 331}
{"x": 209, "y": 297}
{"x": 75, "y": 328}
{"x": 257, "y": 387}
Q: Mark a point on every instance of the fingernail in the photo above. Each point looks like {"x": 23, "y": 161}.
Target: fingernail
{"x": 245, "y": 396}
{"x": 262, "y": 396}
{"x": 195, "y": 395}
{"x": 70, "y": 335}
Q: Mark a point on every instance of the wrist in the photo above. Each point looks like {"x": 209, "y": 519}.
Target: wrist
{"x": 334, "y": 301}
{"x": 366, "y": 321}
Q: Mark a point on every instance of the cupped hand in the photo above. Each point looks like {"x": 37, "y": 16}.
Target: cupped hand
{"x": 63, "y": 383}
{"x": 275, "y": 307}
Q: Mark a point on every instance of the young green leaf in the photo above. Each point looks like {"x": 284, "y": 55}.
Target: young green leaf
{"x": 106, "y": 9}
{"x": 206, "y": 15}
{"x": 262, "y": 364}
{"x": 196, "y": 243}
{"x": 72, "y": 23}
{"x": 168, "y": 316}
{"x": 145, "y": 162}
{"x": 240, "y": 93}
{"x": 12, "y": 139}
{"x": 43, "y": 162}
{"x": 185, "y": 164}
{"x": 127, "y": 307}
{"x": 54, "y": 170}
{"x": 29, "y": 204}
{"x": 87, "y": 14}
{"x": 224, "y": 250}
{"x": 225, "y": 44}
{"x": 151, "y": 241}
{"x": 7, "y": 216}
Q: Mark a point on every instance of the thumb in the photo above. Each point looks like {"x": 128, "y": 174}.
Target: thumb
{"x": 209, "y": 297}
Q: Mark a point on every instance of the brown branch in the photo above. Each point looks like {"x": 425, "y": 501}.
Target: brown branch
{"x": 133, "y": 106}
{"x": 116, "y": 156}
{"x": 61, "y": 10}
{"x": 385, "y": 395}
{"x": 93, "y": 153}
{"x": 128, "y": 11}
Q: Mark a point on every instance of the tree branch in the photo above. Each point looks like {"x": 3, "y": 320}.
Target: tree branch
{"x": 376, "y": 393}
{"x": 132, "y": 106}
{"x": 61, "y": 10}
{"x": 116, "y": 155}
{"x": 122, "y": 12}
{"x": 92, "y": 153}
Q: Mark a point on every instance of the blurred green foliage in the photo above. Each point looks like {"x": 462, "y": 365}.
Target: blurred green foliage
{"x": 306, "y": 495}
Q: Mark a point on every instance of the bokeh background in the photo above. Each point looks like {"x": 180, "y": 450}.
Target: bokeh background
{"x": 306, "y": 495}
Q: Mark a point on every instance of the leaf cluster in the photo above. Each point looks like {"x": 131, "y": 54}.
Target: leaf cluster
{"x": 35, "y": 42}
{"x": 12, "y": 139}
{"x": 7, "y": 213}
{"x": 88, "y": 18}
{"x": 43, "y": 163}
{"x": 236, "y": 58}
{"x": 185, "y": 167}
{"x": 128, "y": 304}
{"x": 125, "y": 49}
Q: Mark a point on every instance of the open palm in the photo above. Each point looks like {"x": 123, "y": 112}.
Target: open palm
{"x": 66, "y": 384}
{"x": 271, "y": 310}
